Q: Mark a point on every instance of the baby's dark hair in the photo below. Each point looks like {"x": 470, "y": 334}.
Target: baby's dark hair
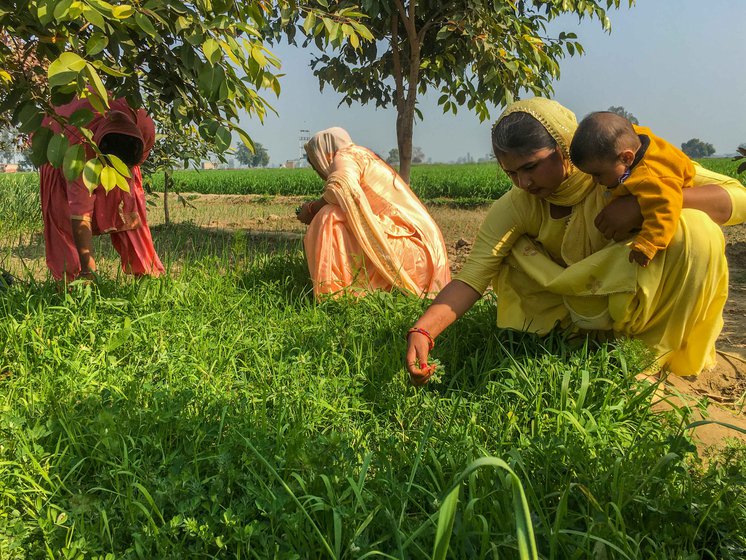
{"x": 520, "y": 133}
{"x": 125, "y": 147}
{"x": 601, "y": 136}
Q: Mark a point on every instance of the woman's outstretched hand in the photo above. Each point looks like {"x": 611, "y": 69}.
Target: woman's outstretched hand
{"x": 418, "y": 349}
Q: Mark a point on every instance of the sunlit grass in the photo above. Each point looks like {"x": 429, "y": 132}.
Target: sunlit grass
{"x": 221, "y": 412}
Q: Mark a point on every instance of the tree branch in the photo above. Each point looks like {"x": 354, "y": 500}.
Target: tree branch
{"x": 398, "y": 78}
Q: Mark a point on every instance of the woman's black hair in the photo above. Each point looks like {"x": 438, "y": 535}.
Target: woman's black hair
{"x": 125, "y": 147}
{"x": 520, "y": 133}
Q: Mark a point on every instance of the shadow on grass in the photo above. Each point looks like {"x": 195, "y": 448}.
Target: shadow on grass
{"x": 188, "y": 240}
{"x": 174, "y": 241}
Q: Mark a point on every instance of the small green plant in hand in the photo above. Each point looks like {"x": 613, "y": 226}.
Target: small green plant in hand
{"x": 437, "y": 372}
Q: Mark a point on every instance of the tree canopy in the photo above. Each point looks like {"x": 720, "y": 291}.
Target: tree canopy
{"x": 204, "y": 61}
{"x": 696, "y": 148}
{"x": 258, "y": 158}
{"x": 476, "y": 53}
{"x": 622, "y": 112}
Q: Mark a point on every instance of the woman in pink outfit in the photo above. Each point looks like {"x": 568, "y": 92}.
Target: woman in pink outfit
{"x": 72, "y": 215}
{"x": 368, "y": 231}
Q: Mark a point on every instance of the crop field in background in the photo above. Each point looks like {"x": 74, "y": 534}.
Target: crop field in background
{"x": 481, "y": 181}
{"x": 220, "y": 412}
{"x": 484, "y": 181}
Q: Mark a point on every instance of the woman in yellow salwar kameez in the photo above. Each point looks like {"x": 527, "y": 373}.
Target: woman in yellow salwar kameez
{"x": 545, "y": 249}
{"x": 368, "y": 231}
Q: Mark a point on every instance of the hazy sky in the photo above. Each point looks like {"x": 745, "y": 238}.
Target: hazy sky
{"x": 678, "y": 65}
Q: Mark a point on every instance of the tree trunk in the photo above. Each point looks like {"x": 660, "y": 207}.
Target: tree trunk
{"x": 404, "y": 131}
{"x": 166, "y": 183}
{"x": 406, "y": 80}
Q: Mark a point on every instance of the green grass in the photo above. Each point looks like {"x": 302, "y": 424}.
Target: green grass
{"x": 220, "y": 412}
{"x": 20, "y": 209}
{"x": 483, "y": 181}
{"x": 726, "y": 166}
{"x": 476, "y": 182}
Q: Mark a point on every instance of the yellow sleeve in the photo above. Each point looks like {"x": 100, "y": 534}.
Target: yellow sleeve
{"x": 496, "y": 237}
{"x": 661, "y": 199}
{"x": 733, "y": 187}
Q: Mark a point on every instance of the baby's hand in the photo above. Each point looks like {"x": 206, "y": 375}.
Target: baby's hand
{"x": 639, "y": 257}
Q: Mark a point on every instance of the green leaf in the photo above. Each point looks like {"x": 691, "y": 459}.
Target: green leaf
{"x": 56, "y": 149}
{"x": 122, "y": 11}
{"x": 144, "y": 23}
{"x": 72, "y": 165}
{"x": 94, "y": 80}
{"x": 98, "y": 65}
{"x": 65, "y": 69}
{"x": 39, "y": 143}
{"x": 30, "y": 118}
{"x": 182, "y": 23}
{"x": 122, "y": 182}
{"x": 309, "y": 23}
{"x": 119, "y": 165}
{"x": 246, "y": 139}
{"x": 94, "y": 17}
{"x": 223, "y": 139}
{"x": 446, "y": 518}
{"x": 228, "y": 50}
{"x": 212, "y": 83}
{"x": 97, "y": 104}
{"x": 44, "y": 13}
{"x": 92, "y": 173}
{"x": 108, "y": 178}
{"x": 96, "y": 43}
{"x": 80, "y": 117}
{"x": 212, "y": 50}
{"x": 258, "y": 55}
{"x": 61, "y": 9}
{"x": 521, "y": 513}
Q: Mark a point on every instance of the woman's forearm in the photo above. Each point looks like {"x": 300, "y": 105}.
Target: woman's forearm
{"x": 451, "y": 303}
{"x": 713, "y": 200}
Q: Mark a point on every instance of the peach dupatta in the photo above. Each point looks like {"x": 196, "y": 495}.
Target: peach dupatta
{"x": 374, "y": 233}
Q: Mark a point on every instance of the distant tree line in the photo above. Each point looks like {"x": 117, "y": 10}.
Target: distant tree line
{"x": 259, "y": 158}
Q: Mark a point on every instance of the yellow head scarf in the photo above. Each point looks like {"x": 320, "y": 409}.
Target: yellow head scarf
{"x": 578, "y": 189}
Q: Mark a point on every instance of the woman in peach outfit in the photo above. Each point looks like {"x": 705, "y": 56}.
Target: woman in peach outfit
{"x": 72, "y": 215}
{"x": 368, "y": 231}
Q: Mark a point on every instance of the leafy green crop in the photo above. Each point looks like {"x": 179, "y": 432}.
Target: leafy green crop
{"x": 483, "y": 181}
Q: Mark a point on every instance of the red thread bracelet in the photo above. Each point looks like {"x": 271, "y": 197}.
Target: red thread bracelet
{"x": 430, "y": 340}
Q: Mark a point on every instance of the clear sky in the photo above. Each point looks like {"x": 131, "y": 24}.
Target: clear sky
{"x": 678, "y": 65}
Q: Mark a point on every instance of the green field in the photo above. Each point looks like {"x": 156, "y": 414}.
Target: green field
{"x": 220, "y": 412}
{"x": 484, "y": 181}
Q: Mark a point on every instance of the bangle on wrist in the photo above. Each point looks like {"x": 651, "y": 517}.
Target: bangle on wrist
{"x": 430, "y": 339}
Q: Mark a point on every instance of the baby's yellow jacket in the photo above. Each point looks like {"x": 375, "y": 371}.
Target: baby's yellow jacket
{"x": 657, "y": 180}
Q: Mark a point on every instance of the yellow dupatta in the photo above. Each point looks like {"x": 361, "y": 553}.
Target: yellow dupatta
{"x": 578, "y": 190}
